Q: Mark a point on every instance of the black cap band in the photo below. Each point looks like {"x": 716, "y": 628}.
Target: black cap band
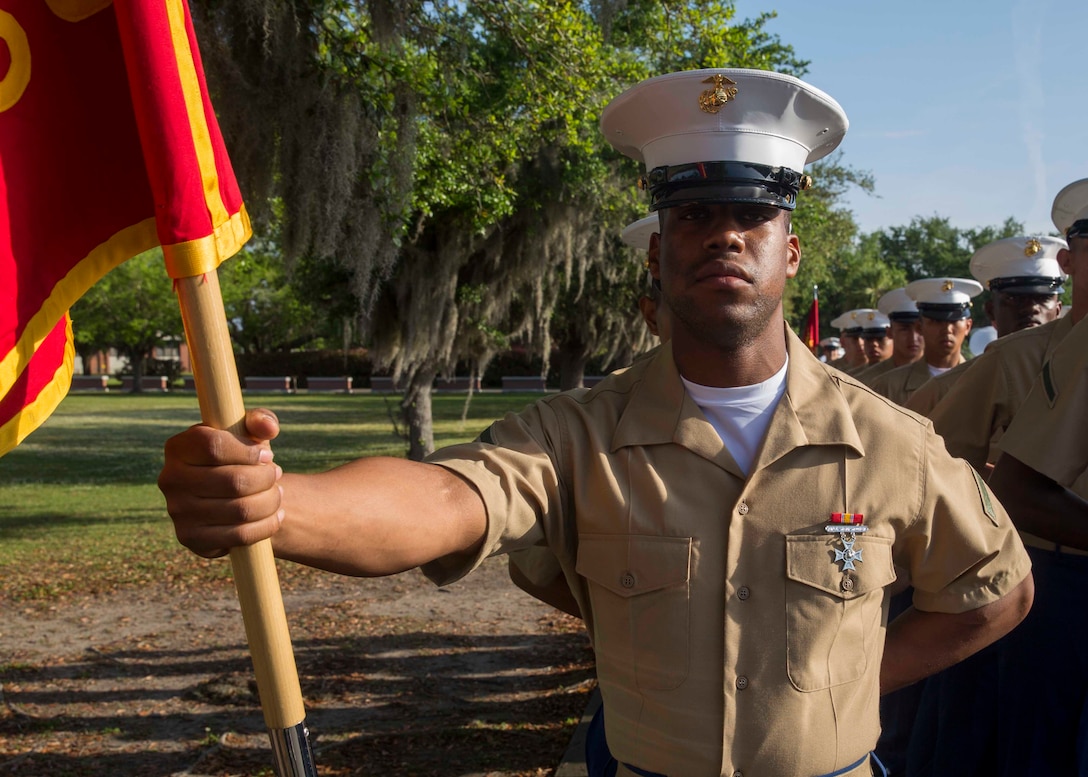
{"x": 1079, "y": 229}
{"x": 945, "y": 311}
{"x": 904, "y": 315}
{"x": 717, "y": 182}
{"x": 1028, "y": 284}
{"x": 872, "y": 334}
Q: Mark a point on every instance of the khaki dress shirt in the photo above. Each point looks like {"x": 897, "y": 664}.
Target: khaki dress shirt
{"x": 874, "y": 371}
{"x": 898, "y": 384}
{"x": 980, "y": 406}
{"x": 728, "y": 637}
{"x": 1050, "y": 432}
{"x": 926, "y": 397}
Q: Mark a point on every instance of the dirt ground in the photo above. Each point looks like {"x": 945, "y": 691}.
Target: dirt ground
{"x": 398, "y": 677}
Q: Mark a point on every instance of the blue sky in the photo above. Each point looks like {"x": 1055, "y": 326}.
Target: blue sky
{"x": 971, "y": 110}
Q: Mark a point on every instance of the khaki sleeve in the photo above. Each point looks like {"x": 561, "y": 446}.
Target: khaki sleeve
{"x": 925, "y": 398}
{"x": 962, "y": 549}
{"x": 512, "y": 467}
{"x": 967, "y": 416}
{"x": 1049, "y": 431}
{"x": 539, "y": 565}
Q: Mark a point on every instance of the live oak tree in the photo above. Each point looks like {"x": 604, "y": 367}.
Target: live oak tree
{"x": 447, "y": 155}
{"x": 132, "y": 309}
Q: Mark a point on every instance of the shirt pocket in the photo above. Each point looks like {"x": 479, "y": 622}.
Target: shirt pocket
{"x": 639, "y": 591}
{"x": 833, "y": 616}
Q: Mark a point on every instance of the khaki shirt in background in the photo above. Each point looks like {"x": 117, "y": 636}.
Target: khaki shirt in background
{"x": 926, "y": 397}
{"x": 981, "y": 405}
{"x": 1050, "y": 433}
{"x": 727, "y": 636}
{"x": 898, "y": 384}
{"x": 873, "y": 371}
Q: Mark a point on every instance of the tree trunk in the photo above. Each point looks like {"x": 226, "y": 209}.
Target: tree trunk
{"x": 572, "y": 367}
{"x": 138, "y": 359}
{"x": 418, "y": 418}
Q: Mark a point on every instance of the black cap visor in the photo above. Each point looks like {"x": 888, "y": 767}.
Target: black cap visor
{"x": 943, "y": 311}
{"x": 723, "y": 182}
{"x": 1079, "y": 229}
{"x": 1027, "y": 284}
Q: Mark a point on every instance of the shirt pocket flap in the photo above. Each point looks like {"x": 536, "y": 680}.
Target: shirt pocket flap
{"x": 811, "y": 559}
{"x": 629, "y": 565}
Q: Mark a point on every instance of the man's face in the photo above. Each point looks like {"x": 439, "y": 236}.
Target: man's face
{"x": 877, "y": 349}
{"x": 943, "y": 338}
{"x": 1012, "y": 312}
{"x": 907, "y": 336}
{"x": 852, "y": 350}
{"x": 1074, "y": 261}
{"x": 723, "y": 269}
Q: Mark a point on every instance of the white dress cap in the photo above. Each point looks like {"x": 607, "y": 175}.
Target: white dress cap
{"x": 724, "y": 115}
{"x": 897, "y": 305}
{"x": 830, "y": 342}
{"x": 1020, "y": 265}
{"x": 849, "y": 322}
{"x": 980, "y": 338}
{"x": 873, "y": 322}
{"x": 1071, "y": 206}
{"x": 944, "y": 299}
{"x": 637, "y": 233}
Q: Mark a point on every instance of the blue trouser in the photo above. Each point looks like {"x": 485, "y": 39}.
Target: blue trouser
{"x": 1043, "y": 675}
{"x": 601, "y": 763}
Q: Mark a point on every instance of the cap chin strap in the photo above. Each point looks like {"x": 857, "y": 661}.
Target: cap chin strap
{"x": 723, "y": 182}
{"x": 1079, "y": 229}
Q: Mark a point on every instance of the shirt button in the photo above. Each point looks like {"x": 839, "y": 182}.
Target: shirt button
{"x": 742, "y": 683}
{"x": 738, "y": 773}
{"x": 627, "y": 580}
{"x": 742, "y": 508}
{"x": 743, "y": 593}
{"x": 848, "y": 584}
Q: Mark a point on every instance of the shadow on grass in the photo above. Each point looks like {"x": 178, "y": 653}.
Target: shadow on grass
{"x": 414, "y": 703}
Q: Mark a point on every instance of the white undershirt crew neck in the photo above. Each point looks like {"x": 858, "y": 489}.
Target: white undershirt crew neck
{"x": 742, "y": 414}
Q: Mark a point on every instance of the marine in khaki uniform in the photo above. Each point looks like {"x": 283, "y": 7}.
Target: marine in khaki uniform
{"x": 980, "y": 406}
{"x": 876, "y": 338}
{"x": 853, "y": 357}
{"x": 906, "y": 335}
{"x": 830, "y": 349}
{"x": 727, "y": 511}
{"x": 955, "y": 729}
{"x": 1024, "y": 280}
{"x": 1043, "y": 474}
{"x": 944, "y": 305}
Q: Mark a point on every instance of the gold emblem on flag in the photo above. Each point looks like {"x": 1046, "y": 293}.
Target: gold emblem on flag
{"x": 711, "y": 100}
{"x": 1033, "y": 247}
{"x": 948, "y": 286}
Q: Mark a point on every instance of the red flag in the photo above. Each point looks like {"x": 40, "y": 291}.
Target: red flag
{"x": 812, "y": 322}
{"x": 108, "y": 147}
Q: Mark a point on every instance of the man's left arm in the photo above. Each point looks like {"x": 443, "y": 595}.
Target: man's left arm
{"x": 1039, "y": 505}
{"x": 971, "y": 576}
{"x": 921, "y": 643}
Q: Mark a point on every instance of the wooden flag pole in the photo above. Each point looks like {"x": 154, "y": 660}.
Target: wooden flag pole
{"x": 220, "y": 394}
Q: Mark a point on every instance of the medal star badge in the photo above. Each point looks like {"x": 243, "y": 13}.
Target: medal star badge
{"x": 848, "y": 526}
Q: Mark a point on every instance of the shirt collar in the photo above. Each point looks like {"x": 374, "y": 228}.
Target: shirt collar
{"x": 813, "y": 411}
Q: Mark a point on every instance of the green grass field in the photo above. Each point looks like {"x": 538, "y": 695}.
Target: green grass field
{"x": 79, "y": 509}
